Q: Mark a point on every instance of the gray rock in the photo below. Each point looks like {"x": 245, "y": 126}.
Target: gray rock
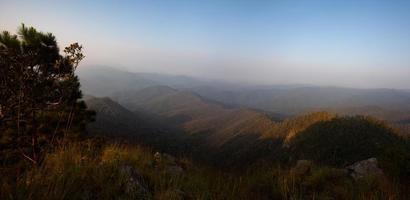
{"x": 175, "y": 170}
{"x": 157, "y": 157}
{"x": 134, "y": 185}
{"x": 168, "y": 163}
{"x": 302, "y": 167}
{"x": 169, "y": 159}
{"x": 364, "y": 168}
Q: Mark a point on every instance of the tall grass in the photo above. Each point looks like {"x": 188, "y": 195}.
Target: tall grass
{"x": 89, "y": 171}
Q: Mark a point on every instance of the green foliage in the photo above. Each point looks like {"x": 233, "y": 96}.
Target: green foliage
{"x": 39, "y": 93}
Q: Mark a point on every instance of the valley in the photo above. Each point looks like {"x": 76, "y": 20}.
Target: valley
{"x": 212, "y": 129}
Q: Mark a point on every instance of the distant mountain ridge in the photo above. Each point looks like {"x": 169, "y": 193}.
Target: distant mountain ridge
{"x": 102, "y": 81}
{"x": 305, "y": 99}
{"x": 388, "y": 104}
{"x": 190, "y": 103}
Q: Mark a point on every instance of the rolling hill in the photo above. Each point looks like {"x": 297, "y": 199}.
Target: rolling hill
{"x": 388, "y": 104}
{"x": 197, "y": 115}
{"x": 344, "y": 140}
{"x": 235, "y": 125}
{"x": 115, "y": 121}
{"x": 182, "y": 122}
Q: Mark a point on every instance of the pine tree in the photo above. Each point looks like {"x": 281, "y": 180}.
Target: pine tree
{"x": 39, "y": 93}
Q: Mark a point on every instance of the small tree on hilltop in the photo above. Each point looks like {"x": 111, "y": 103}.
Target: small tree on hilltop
{"x": 39, "y": 93}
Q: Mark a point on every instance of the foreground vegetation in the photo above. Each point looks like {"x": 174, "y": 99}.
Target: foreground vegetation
{"x": 101, "y": 170}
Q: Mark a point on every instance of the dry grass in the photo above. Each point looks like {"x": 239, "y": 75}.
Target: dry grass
{"x": 84, "y": 171}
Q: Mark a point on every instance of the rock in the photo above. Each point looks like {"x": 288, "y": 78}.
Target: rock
{"x": 175, "y": 170}
{"x": 364, "y": 168}
{"x": 302, "y": 167}
{"x": 134, "y": 185}
{"x": 169, "y": 159}
{"x": 157, "y": 157}
{"x": 168, "y": 163}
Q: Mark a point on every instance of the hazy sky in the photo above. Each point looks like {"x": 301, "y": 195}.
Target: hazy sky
{"x": 347, "y": 43}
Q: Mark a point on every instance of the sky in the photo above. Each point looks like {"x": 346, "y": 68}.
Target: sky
{"x": 352, "y": 43}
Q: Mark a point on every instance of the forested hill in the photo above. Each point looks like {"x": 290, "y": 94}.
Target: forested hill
{"x": 212, "y": 132}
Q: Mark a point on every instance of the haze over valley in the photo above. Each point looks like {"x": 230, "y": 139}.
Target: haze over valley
{"x": 220, "y": 117}
{"x": 205, "y": 100}
{"x": 284, "y": 100}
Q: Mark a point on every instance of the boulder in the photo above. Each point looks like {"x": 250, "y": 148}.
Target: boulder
{"x": 134, "y": 185}
{"x": 157, "y": 157}
{"x": 364, "y": 168}
{"x": 175, "y": 170}
{"x": 169, "y": 159}
{"x": 168, "y": 163}
{"x": 302, "y": 167}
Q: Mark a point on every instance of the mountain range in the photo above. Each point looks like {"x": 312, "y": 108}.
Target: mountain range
{"x": 388, "y": 104}
{"x": 202, "y": 122}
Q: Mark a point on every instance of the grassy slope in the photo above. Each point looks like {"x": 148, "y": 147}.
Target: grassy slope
{"x": 90, "y": 170}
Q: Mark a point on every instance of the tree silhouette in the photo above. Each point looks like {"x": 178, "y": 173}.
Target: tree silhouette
{"x": 39, "y": 93}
